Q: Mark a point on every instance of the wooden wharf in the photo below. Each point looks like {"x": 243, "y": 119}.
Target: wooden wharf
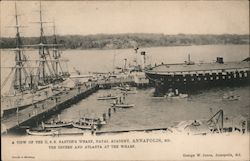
{"x": 44, "y": 108}
{"x": 63, "y": 99}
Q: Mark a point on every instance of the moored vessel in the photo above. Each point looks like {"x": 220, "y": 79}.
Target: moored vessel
{"x": 42, "y": 132}
{"x": 84, "y": 126}
{"x": 123, "y": 105}
{"x": 218, "y": 123}
{"x": 57, "y": 124}
{"x": 107, "y": 97}
{"x": 95, "y": 121}
{"x": 32, "y": 81}
{"x": 189, "y": 76}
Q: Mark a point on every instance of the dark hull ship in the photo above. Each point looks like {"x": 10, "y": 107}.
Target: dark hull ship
{"x": 189, "y": 76}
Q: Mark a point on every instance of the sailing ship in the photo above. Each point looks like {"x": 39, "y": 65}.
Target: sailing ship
{"x": 32, "y": 84}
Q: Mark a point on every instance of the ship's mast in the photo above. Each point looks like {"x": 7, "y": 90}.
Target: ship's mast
{"x": 41, "y": 48}
{"x": 19, "y": 61}
{"x": 57, "y": 56}
{"x": 56, "y": 53}
{"x": 136, "y": 61}
{"x": 21, "y": 75}
{"x": 43, "y": 52}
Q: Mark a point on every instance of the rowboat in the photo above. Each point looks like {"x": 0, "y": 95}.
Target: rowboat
{"x": 56, "y": 124}
{"x": 116, "y": 88}
{"x": 95, "y": 121}
{"x": 178, "y": 96}
{"x": 109, "y": 97}
{"x": 124, "y": 88}
{"x": 194, "y": 127}
{"x": 216, "y": 124}
{"x": 42, "y": 132}
{"x": 158, "y": 97}
{"x": 123, "y": 105}
{"x": 230, "y": 97}
{"x": 130, "y": 92}
{"x": 83, "y": 125}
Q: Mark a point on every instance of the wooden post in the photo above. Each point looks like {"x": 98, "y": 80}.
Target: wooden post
{"x": 17, "y": 113}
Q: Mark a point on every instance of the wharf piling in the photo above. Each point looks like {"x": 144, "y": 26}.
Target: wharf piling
{"x": 41, "y": 110}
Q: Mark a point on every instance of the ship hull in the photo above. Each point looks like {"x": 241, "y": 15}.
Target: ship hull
{"x": 191, "y": 82}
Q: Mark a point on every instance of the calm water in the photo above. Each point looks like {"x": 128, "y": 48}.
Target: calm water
{"x": 160, "y": 112}
{"x": 152, "y": 112}
{"x": 104, "y": 60}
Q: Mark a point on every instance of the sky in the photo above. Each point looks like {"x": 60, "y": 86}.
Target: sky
{"x": 113, "y": 17}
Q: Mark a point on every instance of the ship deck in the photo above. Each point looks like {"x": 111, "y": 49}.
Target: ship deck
{"x": 205, "y": 67}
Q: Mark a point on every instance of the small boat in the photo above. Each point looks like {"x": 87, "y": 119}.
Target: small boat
{"x": 123, "y": 105}
{"x": 216, "y": 124}
{"x": 130, "y": 92}
{"x": 83, "y": 125}
{"x": 121, "y": 102}
{"x": 170, "y": 95}
{"x": 42, "y": 132}
{"x": 108, "y": 97}
{"x": 194, "y": 127}
{"x": 56, "y": 124}
{"x": 123, "y": 88}
{"x": 126, "y": 88}
{"x": 158, "y": 97}
{"x": 95, "y": 121}
{"x": 116, "y": 88}
{"x": 231, "y": 97}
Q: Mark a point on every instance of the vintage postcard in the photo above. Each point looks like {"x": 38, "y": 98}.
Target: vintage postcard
{"x": 124, "y": 80}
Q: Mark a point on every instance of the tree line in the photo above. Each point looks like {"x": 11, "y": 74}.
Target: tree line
{"x": 120, "y": 41}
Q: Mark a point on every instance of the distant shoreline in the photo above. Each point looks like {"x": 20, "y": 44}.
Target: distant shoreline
{"x": 92, "y": 49}
{"x": 125, "y": 41}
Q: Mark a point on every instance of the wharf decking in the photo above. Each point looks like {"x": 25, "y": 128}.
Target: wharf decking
{"x": 63, "y": 99}
{"x": 59, "y": 101}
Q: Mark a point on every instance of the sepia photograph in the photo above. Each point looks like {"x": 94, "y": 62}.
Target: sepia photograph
{"x": 124, "y": 80}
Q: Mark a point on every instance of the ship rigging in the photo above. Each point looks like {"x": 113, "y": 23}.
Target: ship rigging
{"x": 33, "y": 80}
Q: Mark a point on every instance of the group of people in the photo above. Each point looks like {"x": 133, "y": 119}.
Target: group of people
{"x": 109, "y": 113}
{"x": 119, "y": 100}
{"x": 172, "y": 93}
